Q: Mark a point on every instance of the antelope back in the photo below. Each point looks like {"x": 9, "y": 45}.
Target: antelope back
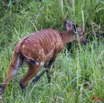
{"x": 41, "y": 45}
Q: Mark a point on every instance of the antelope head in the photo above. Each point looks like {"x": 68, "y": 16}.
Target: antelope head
{"x": 76, "y": 32}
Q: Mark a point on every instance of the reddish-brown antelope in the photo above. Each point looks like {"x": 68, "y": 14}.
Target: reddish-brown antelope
{"x": 40, "y": 49}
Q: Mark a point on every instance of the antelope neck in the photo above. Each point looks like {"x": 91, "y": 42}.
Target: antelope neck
{"x": 67, "y": 36}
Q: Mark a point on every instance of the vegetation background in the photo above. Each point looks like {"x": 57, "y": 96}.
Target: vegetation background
{"x": 78, "y": 74}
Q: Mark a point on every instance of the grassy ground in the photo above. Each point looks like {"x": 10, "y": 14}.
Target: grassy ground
{"x": 77, "y": 76}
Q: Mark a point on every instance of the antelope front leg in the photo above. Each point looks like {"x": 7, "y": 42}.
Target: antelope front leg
{"x": 48, "y": 70}
{"x": 48, "y": 66}
{"x": 48, "y": 75}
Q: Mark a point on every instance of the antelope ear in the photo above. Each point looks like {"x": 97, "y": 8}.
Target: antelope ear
{"x": 75, "y": 26}
{"x": 67, "y": 24}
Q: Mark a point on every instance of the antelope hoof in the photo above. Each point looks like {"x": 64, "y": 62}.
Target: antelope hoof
{"x": 23, "y": 88}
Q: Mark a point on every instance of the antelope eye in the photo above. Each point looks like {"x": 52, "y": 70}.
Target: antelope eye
{"x": 82, "y": 33}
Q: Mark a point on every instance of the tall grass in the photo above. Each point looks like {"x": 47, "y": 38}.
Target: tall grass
{"x": 77, "y": 76}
